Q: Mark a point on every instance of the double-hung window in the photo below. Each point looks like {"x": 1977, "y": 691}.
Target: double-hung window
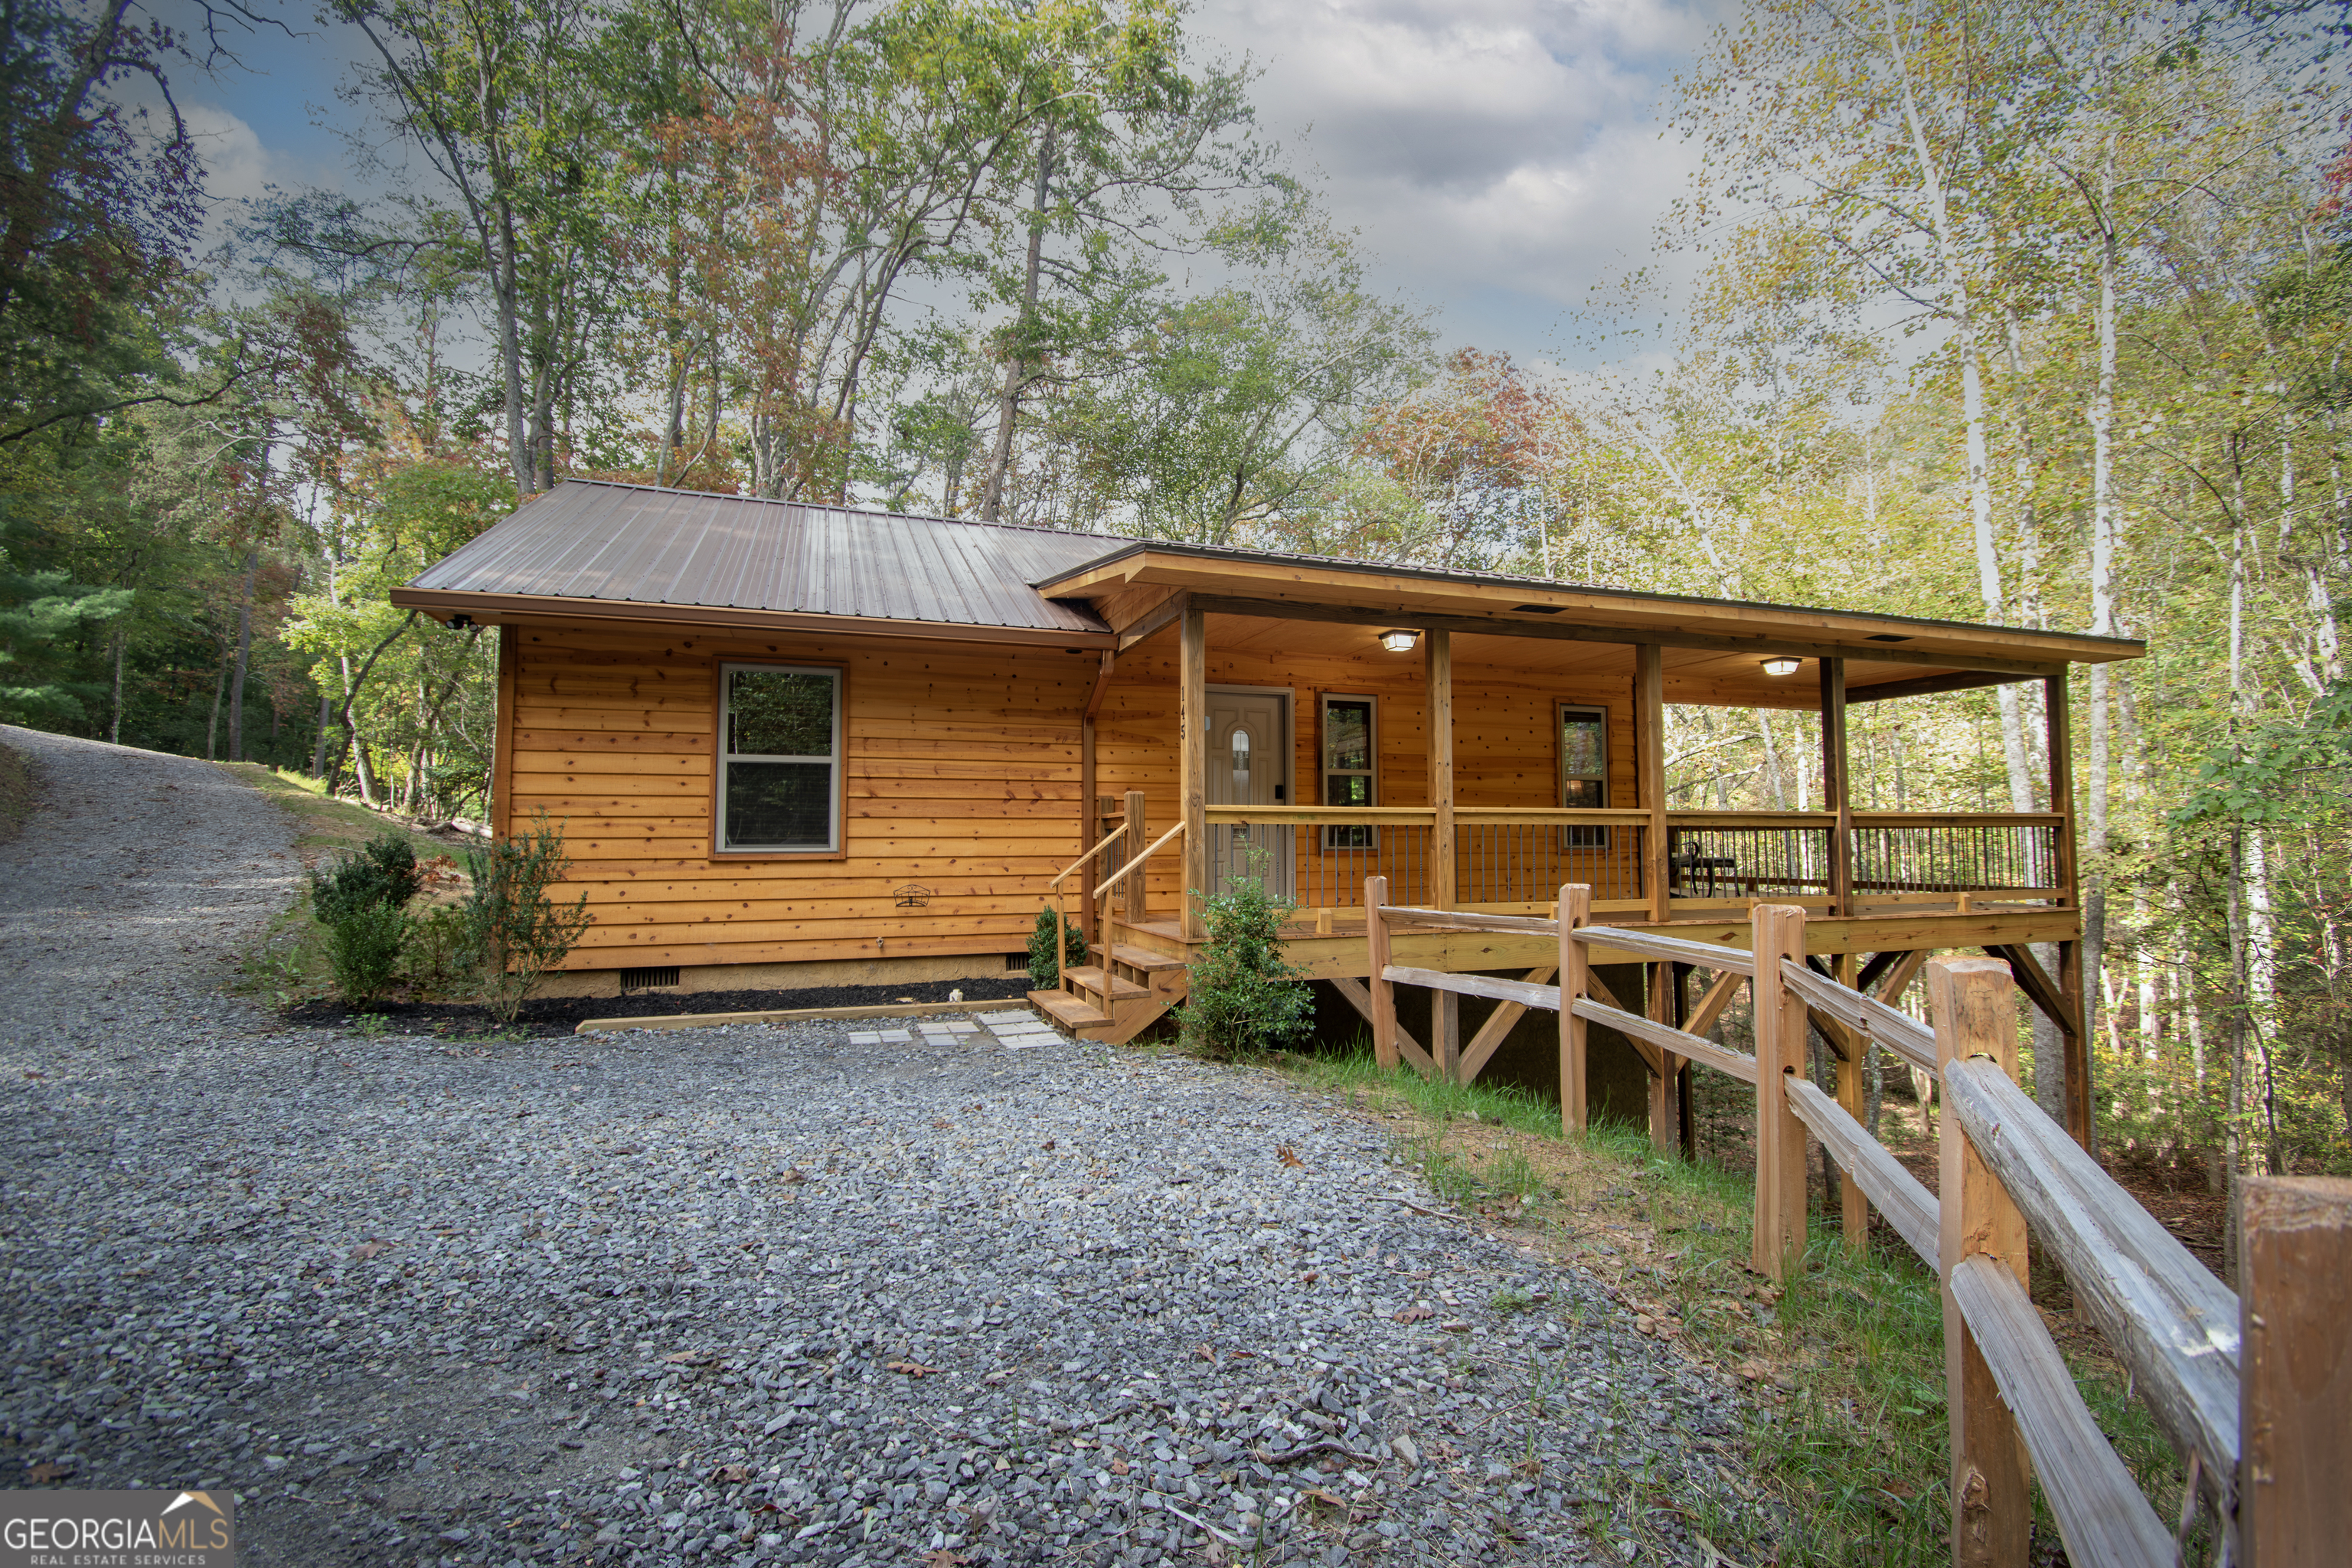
{"x": 779, "y": 758}
{"x": 1350, "y": 761}
{"x": 1584, "y": 771}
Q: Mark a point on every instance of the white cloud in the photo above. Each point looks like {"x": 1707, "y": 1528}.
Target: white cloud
{"x": 236, "y": 165}
{"x": 1500, "y": 157}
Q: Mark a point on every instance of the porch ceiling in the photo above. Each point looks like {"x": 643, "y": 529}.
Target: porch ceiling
{"x": 1714, "y": 648}
{"x": 1696, "y": 677}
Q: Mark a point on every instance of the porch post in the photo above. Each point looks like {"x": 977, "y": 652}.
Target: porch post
{"x": 1649, "y": 773}
{"x": 1835, "y": 792}
{"x": 1438, "y": 664}
{"x": 2073, "y": 1033}
{"x": 1193, "y": 768}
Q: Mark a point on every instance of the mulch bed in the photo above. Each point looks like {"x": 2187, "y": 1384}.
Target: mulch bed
{"x": 562, "y": 1014}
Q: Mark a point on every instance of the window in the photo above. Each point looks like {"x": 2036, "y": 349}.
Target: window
{"x": 1584, "y": 771}
{"x": 780, "y": 734}
{"x": 1350, "y": 754}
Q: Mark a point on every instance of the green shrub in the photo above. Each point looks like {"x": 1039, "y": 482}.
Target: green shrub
{"x": 381, "y": 871}
{"x": 361, "y": 898}
{"x": 515, "y": 933}
{"x": 1242, "y": 997}
{"x": 363, "y": 944}
{"x": 440, "y": 959}
{"x": 1045, "y": 965}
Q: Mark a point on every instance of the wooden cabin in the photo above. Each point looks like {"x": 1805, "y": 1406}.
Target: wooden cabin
{"x": 798, "y": 745}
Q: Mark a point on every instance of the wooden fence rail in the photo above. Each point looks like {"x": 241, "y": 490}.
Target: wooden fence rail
{"x": 2270, "y": 1449}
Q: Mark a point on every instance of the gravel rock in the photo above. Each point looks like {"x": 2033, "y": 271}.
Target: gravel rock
{"x": 747, "y": 1295}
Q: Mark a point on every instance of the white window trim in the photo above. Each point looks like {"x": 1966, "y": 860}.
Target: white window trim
{"x": 726, "y": 757}
{"x": 1323, "y": 770}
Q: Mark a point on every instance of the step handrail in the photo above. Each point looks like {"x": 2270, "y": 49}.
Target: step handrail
{"x": 1107, "y": 840}
{"x": 1115, "y": 877}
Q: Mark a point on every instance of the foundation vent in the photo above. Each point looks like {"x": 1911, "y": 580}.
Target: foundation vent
{"x": 647, "y": 979}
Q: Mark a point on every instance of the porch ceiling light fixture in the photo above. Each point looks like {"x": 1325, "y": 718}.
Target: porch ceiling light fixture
{"x": 1398, "y": 641}
{"x": 1782, "y": 666}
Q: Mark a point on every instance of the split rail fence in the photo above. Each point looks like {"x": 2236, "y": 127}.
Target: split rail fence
{"x": 2254, "y": 1389}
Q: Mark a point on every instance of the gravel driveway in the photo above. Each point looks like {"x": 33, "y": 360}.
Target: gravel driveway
{"x": 744, "y": 1295}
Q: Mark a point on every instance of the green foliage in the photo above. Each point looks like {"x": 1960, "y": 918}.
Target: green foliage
{"x": 381, "y": 871}
{"x": 38, "y": 610}
{"x": 361, "y": 898}
{"x": 364, "y": 946}
{"x": 515, "y": 930}
{"x": 1241, "y": 996}
{"x": 1044, "y": 972}
{"x": 441, "y": 958}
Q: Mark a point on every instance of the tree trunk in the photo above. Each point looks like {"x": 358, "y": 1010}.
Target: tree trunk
{"x": 1017, "y": 362}
{"x": 326, "y": 722}
{"x": 243, "y": 656}
{"x": 114, "y": 724}
{"x": 212, "y": 726}
{"x": 351, "y": 744}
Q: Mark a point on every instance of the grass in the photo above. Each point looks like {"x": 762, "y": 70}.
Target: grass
{"x": 288, "y": 964}
{"x": 1846, "y": 1434}
{"x": 19, "y": 791}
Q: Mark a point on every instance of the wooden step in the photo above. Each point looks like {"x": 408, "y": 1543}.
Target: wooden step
{"x": 1141, "y": 958}
{"x": 1101, "y": 984}
{"x": 1067, "y": 1010}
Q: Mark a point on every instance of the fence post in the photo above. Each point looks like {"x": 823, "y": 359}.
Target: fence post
{"x": 1992, "y": 1504}
{"x": 1575, "y": 985}
{"x": 1376, "y": 938}
{"x": 1779, "y": 1234}
{"x": 2295, "y": 1366}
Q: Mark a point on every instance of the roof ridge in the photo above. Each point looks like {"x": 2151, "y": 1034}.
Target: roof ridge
{"x": 851, "y": 511}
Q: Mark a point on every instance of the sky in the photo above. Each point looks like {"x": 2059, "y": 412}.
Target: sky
{"x": 1500, "y": 159}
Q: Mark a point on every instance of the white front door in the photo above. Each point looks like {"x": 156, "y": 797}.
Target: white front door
{"x": 1249, "y": 765}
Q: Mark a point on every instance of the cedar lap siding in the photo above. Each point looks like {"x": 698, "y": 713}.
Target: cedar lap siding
{"x": 968, "y": 657}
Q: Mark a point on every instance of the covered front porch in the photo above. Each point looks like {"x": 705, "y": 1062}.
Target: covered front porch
{"x": 1514, "y": 741}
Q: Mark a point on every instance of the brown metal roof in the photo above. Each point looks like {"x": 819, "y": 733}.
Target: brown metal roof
{"x": 588, "y": 540}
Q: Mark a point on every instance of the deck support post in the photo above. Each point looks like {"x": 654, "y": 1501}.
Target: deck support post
{"x": 1836, "y": 791}
{"x": 1666, "y": 1084}
{"x": 1376, "y": 935}
{"x": 2074, "y": 1030}
{"x": 1437, "y": 654}
{"x": 1138, "y": 882}
{"x": 1575, "y": 985}
{"x": 1192, "y": 769}
{"x": 1975, "y": 1008}
{"x": 1780, "y": 1023}
{"x": 1650, "y": 774}
{"x": 2295, "y": 1293}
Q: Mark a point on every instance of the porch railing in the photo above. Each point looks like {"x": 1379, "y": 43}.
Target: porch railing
{"x": 1509, "y": 855}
